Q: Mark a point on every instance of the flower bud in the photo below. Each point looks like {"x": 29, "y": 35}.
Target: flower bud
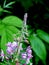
{"x": 28, "y": 50}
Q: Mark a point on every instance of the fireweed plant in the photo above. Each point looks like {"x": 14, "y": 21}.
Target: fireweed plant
{"x": 15, "y": 51}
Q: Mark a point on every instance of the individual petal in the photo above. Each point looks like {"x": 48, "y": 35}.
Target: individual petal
{"x": 9, "y": 44}
{"x": 28, "y": 50}
{"x": 27, "y": 61}
{"x": 24, "y": 55}
{"x": 9, "y": 50}
{"x": 14, "y": 45}
{"x": 29, "y": 56}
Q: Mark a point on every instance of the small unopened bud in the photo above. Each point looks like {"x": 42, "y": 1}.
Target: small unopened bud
{"x": 7, "y": 58}
{"x": 19, "y": 39}
{"x": 25, "y": 18}
{"x": 26, "y": 41}
{"x": 14, "y": 37}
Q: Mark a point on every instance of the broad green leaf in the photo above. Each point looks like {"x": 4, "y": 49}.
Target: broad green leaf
{"x": 7, "y": 36}
{"x": 43, "y": 35}
{"x": 8, "y": 29}
{"x": 3, "y": 40}
{"x": 38, "y": 47}
{"x": 1, "y": 28}
{"x": 13, "y": 20}
{"x": 10, "y": 37}
{"x": 14, "y": 30}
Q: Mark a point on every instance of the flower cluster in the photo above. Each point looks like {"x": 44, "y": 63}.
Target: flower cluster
{"x": 11, "y": 47}
{"x": 27, "y": 55}
{"x": 14, "y": 48}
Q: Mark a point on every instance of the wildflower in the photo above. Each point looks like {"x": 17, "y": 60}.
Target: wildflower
{"x": 24, "y": 55}
{"x": 9, "y": 44}
{"x": 11, "y": 47}
{"x": 9, "y": 50}
{"x": 29, "y": 54}
{"x": 14, "y": 45}
{"x": 28, "y": 50}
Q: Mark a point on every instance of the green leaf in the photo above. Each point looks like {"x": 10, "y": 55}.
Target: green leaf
{"x": 13, "y": 20}
{"x": 43, "y": 35}
{"x": 3, "y": 41}
{"x": 1, "y": 28}
{"x": 7, "y": 36}
{"x": 7, "y": 11}
{"x": 7, "y": 5}
{"x": 38, "y": 47}
{"x": 10, "y": 37}
{"x": 8, "y": 29}
{"x": 14, "y": 30}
